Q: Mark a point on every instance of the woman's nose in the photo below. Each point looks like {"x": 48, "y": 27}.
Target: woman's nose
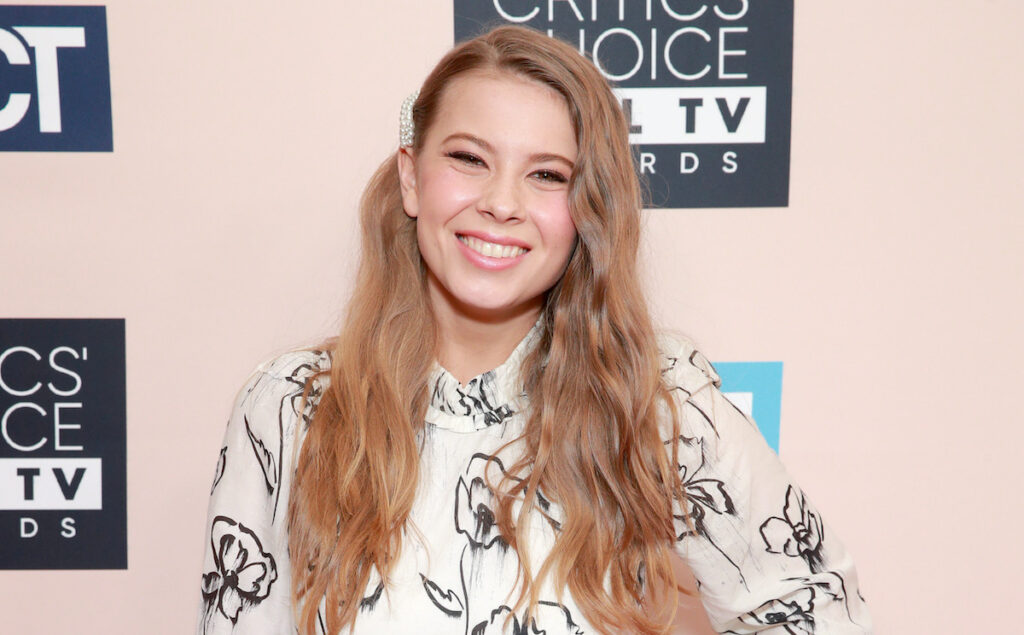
{"x": 501, "y": 198}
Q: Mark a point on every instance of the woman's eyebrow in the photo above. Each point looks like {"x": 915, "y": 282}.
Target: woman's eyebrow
{"x": 538, "y": 157}
{"x": 547, "y": 156}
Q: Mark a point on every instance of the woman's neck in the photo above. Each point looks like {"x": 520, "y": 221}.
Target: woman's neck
{"x": 473, "y": 344}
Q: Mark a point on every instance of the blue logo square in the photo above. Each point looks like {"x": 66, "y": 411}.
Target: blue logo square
{"x": 756, "y": 389}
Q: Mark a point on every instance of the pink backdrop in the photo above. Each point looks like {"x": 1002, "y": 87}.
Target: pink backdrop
{"x": 222, "y": 228}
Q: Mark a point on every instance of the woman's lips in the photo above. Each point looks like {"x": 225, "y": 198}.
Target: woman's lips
{"x": 492, "y": 249}
{"x": 489, "y": 255}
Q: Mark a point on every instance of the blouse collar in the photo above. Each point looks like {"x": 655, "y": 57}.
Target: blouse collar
{"x": 487, "y": 399}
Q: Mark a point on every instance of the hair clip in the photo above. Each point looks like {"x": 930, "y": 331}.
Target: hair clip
{"x": 406, "y": 131}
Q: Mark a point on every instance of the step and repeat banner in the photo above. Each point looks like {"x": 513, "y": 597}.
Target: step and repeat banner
{"x": 140, "y": 281}
{"x": 699, "y": 91}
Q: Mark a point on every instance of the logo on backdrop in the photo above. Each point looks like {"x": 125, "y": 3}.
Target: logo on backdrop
{"x": 707, "y": 86}
{"x": 62, "y": 444}
{"x": 756, "y": 389}
{"x": 54, "y": 79}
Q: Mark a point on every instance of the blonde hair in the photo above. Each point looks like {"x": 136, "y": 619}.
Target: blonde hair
{"x": 593, "y": 441}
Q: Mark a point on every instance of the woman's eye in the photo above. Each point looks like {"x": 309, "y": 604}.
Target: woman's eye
{"x": 465, "y": 157}
{"x": 551, "y": 176}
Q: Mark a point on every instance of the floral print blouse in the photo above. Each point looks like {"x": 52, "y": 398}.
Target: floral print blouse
{"x": 762, "y": 556}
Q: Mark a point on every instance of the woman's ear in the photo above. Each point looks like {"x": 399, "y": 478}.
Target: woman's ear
{"x": 407, "y": 180}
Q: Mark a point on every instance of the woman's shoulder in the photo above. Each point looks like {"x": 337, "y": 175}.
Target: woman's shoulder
{"x": 683, "y": 365}
{"x": 274, "y": 390}
{"x": 296, "y": 364}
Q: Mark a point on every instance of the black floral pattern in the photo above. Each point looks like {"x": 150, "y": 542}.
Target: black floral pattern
{"x": 298, "y": 378}
{"x": 266, "y": 458}
{"x": 475, "y": 520}
{"x": 475, "y": 517}
{"x": 474, "y": 505}
{"x": 488, "y": 399}
{"x": 218, "y": 472}
{"x": 244, "y": 571}
{"x": 449, "y": 601}
{"x": 267, "y": 439}
{"x": 369, "y": 602}
{"x": 472, "y": 568}
{"x": 478, "y": 400}
{"x": 799, "y": 532}
{"x": 551, "y": 619}
{"x": 704, "y": 497}
{"x": 794, "y": 613}
{"x": 696, "y": 374}
{"x": 831, "y": 585}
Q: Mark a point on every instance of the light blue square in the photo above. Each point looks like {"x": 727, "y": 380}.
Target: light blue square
{"x": 756, "y": 389}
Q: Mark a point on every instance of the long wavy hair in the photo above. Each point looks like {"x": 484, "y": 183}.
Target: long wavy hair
{"x": 595, "y": 424}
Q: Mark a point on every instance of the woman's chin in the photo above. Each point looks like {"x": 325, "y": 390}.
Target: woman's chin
{"x": 494, "y": 309}
{"x": 482, "y": 302}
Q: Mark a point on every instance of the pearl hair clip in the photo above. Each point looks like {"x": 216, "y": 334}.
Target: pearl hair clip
{"x": 406, "y": 131}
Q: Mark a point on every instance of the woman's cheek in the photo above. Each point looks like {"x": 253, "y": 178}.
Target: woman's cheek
{"x": 557, "y": 222}
{"x": 450, "y": 191}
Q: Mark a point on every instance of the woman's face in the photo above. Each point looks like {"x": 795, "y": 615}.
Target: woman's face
{"x": 489, "y": 189}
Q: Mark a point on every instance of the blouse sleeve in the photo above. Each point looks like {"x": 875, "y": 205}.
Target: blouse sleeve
{"x": 763, "y": 558}
{"x": 245, "y": 586}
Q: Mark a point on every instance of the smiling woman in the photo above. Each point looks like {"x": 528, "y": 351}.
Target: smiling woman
{"x": 489, "y": 189}
{"x": 499, "y": 440}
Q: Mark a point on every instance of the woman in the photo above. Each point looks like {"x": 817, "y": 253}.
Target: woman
{"x": 498, "y": 441}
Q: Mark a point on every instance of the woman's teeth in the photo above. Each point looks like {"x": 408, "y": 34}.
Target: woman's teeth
{"x": 491, "y": 250}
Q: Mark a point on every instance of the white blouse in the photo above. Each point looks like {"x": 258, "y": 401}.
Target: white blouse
{"x": 763, "y": 558}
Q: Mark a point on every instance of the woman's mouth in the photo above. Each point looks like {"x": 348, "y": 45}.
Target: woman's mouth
{"x": 491, "y": 250}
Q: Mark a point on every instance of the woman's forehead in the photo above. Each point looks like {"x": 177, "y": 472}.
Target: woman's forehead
{"x": 507, "y": 105}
